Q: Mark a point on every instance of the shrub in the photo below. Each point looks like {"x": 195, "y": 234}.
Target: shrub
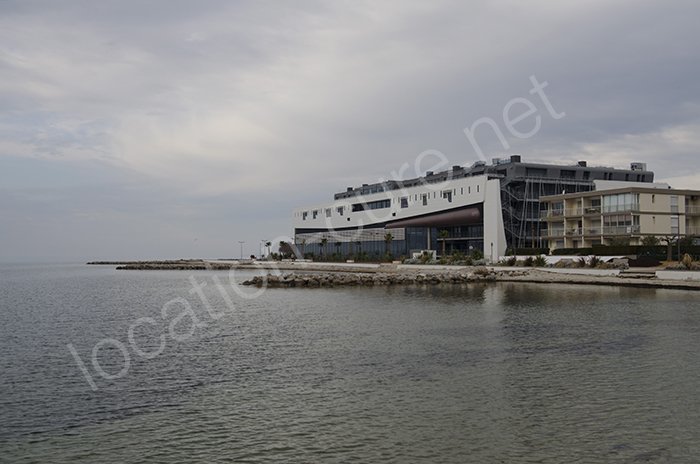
{"x": 511, "y": 261}
{"x": 594, "y": 261}
{"x": 687, "y": 261}
{"x": 540, "y": 261}
{"x": 529, "y": 261}
{"x": 581, "y": 262}
{"x": 482, "y": 271}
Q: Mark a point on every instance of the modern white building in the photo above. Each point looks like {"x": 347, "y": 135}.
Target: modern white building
{"x": 469, "y": 208}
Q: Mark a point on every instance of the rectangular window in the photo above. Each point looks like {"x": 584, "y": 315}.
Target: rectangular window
{"x": 535, "y": 172}
{"x": 425, "y": 199}
{"x": 568, "y": 174}
{"x": 674, "y": 224}
{"x": 404, "y": 202}
{"x": 461, "y": 190}
{"x": 315, "y": 214}
{"x": 340, "y": 210}
{"x": 304, "y": 215}
{"x": 447, "y": 194}
{"x": 328, "y": 212}
{"x": 674, "y": 203}
{"x": 379, "y": 204}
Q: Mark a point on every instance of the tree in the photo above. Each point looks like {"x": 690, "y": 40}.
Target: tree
{"x": 670, "y": 240}
{"x": 387, "y": 242}
{"x": 268, "y": 245}
{"x": 650, "y": 241}
{"x": 323, "y": 243}
{"x": 286, "y": 250}
{"x": 444, "y": 234}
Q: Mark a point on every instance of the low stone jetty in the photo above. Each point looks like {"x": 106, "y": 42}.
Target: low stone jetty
{"x": 167, "y": 265}
{"x": 336, "y": 279}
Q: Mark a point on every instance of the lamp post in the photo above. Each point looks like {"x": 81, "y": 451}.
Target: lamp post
{"x": 241, "y": 242}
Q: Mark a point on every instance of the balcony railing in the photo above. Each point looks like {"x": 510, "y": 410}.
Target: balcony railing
{"x": 554, "y": 233}
{"x": 621, "y": 208}
{"x": 560, "y": 213}
{"x": 692, "y": 209}
{"x": 692, "y": 231}
{"x": 620, "y": 230}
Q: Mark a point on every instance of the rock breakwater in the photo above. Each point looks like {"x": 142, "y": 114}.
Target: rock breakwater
{"x": 364, "y": 279}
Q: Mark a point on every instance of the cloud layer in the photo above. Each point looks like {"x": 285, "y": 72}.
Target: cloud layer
{"x": 240, "y": 111}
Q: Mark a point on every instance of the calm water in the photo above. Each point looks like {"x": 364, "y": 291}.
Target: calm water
{"x": 497, "y": 373}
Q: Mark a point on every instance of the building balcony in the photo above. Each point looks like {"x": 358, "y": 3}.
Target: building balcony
{"x": 621, "y": 230}
{"x": 553, "y": 233}
{"x": 552, "y": 214}
{"x": 574, "y": 232}
{"x": 695, "y": 231}
{"x": 621, "y": 208}
{"x": 692, "y": 210}
{"x": 592, "y": 210}
{"x": 573, "y": 212}
{"x": 558, "y": 214}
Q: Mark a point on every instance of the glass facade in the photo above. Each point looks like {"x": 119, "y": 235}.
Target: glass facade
{"x": 620, "y": 202}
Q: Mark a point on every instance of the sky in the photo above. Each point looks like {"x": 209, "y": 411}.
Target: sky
{"x": 176, "y": 129}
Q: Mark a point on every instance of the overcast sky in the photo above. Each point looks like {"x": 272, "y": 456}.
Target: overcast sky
{"x": 168, "y": 129}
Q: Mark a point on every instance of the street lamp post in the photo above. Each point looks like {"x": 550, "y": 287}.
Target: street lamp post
{"x": 241, "y": 242}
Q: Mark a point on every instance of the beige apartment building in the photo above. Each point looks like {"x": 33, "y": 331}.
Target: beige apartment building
{"x": 584, "y": 219}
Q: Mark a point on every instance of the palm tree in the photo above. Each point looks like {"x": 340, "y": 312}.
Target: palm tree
{"x": 285, "y": 249}
{"x": 444, "y": 234}
{"x": 387, "y": 242}
{"x": 268, "y": 245}
{"x": 323, "y": 243}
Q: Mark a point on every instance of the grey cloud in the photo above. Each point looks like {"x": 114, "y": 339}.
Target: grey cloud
{"x": 285, "y": 103}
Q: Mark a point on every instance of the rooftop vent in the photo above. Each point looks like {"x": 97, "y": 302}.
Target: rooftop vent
{"x": 429, "y": 173}
{"x": 583, "y": 164}
{"x": 456, "y": 167}
{"x": 515, "y": 158}
{"x": 349, "y": 189}
{"x": 638, "y": 166}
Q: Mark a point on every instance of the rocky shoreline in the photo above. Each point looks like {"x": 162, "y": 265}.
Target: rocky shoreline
{"x": 476, "y": 275}
{"x": 371, "y": 279}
